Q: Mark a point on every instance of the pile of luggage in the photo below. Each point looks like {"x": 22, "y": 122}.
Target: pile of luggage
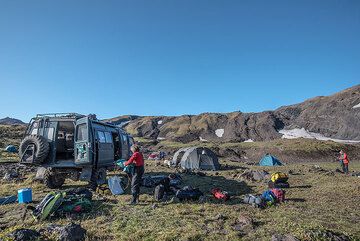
{"x": 275, "y": 194}
{"x": 75, "y": 200}
{"x": 266, "y": 199}
{"x": 280, "y": 180}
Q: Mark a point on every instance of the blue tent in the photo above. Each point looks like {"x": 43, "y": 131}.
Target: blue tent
{"x": 269, "y": 160}
{"x": 11, "y": 149}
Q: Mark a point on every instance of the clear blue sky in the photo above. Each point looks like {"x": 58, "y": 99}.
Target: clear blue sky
{"x": 173, "y": 57}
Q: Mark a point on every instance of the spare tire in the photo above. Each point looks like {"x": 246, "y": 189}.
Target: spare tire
{"x": 41, "y": 146}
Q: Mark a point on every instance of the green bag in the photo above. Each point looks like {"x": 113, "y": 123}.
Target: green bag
{"x": 71, "y": 201}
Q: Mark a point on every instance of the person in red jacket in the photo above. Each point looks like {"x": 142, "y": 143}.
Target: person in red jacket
{"x": 345, "y": 161}
{"x": 137, "y": 160}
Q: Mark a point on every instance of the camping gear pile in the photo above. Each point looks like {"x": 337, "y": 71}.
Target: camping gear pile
{"x": 280, "y": 180}
{"x": 266, "y": 199}
{"x": 76, "y": 200}
{"x": 188, "y": 193}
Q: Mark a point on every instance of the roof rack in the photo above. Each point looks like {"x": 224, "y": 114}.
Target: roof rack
{"x": 76, "y": 115}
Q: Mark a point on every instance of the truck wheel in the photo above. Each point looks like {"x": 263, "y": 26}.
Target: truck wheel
{"x": 53, "y": 180}
{"x": 98, "y": 178}
{"x": 41, "y": 148}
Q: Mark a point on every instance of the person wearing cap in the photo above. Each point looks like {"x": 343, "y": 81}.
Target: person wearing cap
{"x": 344, "y": 161}
{"x": 137, "y": 160}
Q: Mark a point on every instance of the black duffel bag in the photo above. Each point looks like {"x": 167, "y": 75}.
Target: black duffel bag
{"x": 189, "y": 193}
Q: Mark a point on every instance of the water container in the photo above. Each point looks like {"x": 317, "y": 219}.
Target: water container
{"x": 25, "y": 195}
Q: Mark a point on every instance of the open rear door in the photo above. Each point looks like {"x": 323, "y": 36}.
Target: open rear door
{"x": 83, "y": 149}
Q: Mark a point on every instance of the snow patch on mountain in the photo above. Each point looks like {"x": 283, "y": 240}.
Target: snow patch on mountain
{"x": 302, "y": 133}
{"x": 249, "y": 140}
{"x": 356, "y": 106}
{"x": 219, "y": 132}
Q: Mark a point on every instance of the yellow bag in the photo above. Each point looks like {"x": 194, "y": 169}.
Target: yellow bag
{"x": 279, "y": 177}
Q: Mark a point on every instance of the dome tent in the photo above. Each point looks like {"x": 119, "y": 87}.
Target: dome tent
{"x": 196, "y": 158}
{"x": 11, "y": 149}
{"x": 269, "y": 160}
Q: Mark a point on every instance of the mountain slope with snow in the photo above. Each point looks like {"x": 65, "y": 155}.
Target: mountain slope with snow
{"x": 333, "y": 117}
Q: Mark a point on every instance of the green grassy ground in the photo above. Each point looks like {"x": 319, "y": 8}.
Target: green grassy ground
{"x": 314, "y": 201}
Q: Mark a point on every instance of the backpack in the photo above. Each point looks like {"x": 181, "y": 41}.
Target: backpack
{"x": 278, "y": 177}
{"x": 159, "y": 192}
{"x": 74, "y": 200}
{"x": 219, "y": 194}
{"x": 255, "y": 201}
{"x": 279, "y": 194}
{"x": 188, "y": 193}
{"x": 50, "y": 203}
{"x": 269, "y": 197}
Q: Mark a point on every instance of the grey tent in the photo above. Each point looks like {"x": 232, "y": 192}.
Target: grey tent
{"x": 196, "y": 158}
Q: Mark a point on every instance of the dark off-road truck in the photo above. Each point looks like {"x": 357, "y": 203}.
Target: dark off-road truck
{"x": 70, "y": 145}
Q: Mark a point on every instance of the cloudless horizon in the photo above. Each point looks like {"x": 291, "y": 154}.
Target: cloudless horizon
{"x": 173, "y": 57}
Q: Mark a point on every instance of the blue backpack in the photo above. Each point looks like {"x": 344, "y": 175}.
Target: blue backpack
{"x": 268, "y": 197}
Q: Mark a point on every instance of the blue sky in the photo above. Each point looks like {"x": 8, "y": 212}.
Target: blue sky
{"x": 173, "y": 57}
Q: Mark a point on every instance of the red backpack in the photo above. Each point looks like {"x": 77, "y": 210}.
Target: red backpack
{"x": 219, "y": 194}
{"x": 279, "y": 194}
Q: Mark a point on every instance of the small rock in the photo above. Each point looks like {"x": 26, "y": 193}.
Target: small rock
{"x": 24, "y": 234}
{"x": 244, "y": 224}
{"x": 72, "y": 232}
{"x": 154, "y": 206}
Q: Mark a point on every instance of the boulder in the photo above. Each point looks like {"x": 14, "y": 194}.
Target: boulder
{"x": 72, "y": 232}
{"x": 24, "y": 234}
{"x": 255, "y": 175}
{"x": 243, "y": 224}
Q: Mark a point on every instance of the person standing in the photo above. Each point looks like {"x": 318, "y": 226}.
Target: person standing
{"x": 344, "y": 161}
{"x": 137, "y": 160}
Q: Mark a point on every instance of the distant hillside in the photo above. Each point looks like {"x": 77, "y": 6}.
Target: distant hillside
{"x": 11, "y": 121}
{"x": 336, "y": 116}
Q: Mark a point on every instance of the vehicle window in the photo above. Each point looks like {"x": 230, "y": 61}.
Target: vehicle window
{"x": 108, "y": 137}
{"x": 81, "y": 133}
{"x": 49, "y": 133}
{"x": 101, "y": 136}
{"x": 34, "y": 128}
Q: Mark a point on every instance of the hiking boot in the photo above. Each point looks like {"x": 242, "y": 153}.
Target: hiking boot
{"x": 134, "y": 199}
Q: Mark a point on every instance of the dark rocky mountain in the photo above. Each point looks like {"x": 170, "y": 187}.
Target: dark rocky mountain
{"x": 11, "y": 121}
{"x": 332, "y": 116}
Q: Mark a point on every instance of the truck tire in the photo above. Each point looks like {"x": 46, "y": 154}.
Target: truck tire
{"x": 53, "y": 180}
{"x": 42, "y": 147}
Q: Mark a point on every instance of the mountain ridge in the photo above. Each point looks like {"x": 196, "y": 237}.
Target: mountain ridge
{"x": 332, "y": 116}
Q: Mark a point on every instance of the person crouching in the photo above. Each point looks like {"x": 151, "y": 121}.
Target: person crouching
{"x": 137, "y": 160}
